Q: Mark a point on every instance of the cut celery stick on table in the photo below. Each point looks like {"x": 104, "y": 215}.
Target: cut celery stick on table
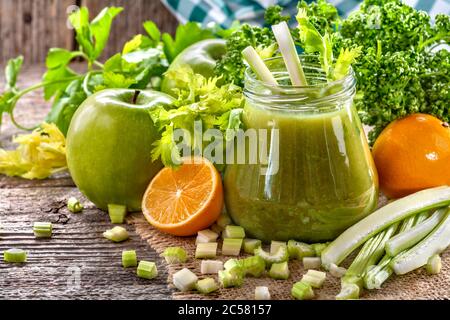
{"x": 174, "y": 255}
{"x": 311, "y": 262}
{"x": 254, "y": 266}
{"x": 258, "y": 66}
{"x": 211, "y": 266}
{"x": 206, "y": 235}
{"x": 250, "y": 245}
{"x": 436, "y": 242}
{"x": 231, "y": 247}
{"x": 129, "y": 258}
{"x": 274, "y": 245}
{"x": 235, "y": 232}
{"x": 147, "y": 270}
{"x": 184, "y": 280}
{"x": 206, "y": 250}
{"x": 117, "y": 213}
{"x": 411, "y": 237}
{"x": 262, "y": 293}
{"x": 434, "y": 264}
{"x": 395, "y": 211}
{"x": 15, "y": 256}
{"x": 289, "y": 53}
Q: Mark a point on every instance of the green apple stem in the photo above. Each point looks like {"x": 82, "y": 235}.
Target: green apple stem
{"x": 135, "y": 96}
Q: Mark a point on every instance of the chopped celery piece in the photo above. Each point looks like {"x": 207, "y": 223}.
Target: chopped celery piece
{"x": 436, "y": 242}
{"x": 302, "y": 291}
{"x": 274, "y": 245}
{"x": 116, "y": 234}
{"x": 174, "y": 255}
{"x": 409, "y": 238}
{"x": 117, "y": 213}
{"x": 129, "y": 258}
{"x": 279, "y": 271}
{"x": 299, "y": 250}
{"x": 147, "y": 270}
{"x": 206, "y": 286}
{"x": 434, "y": 264}
{"x": 258, "y": 66}
{"x": 350, "y": 279}
{"x": 216, "y": 228}
{"x": 250, "y": 245}
{"x": 337, "y": 272}
{"x": 253, "y": 266}
{"x": 319, "y": 247}
{"x": 289, "y": 52}
{"x": 314, "y": 278}
{"x": 42, "y": 229}
{"x": 349, "y": 291}
{"x": 231, "y": 263}
{"x": 280, "y": 256}
{"x": 311, "y": 262}
{"x": 206, "y": 235}
{"x": 74, "y": 205}
{"x": 262, "y": 293}
{"x": 234, "y": 232}
{"x": 379, "y": 220}
{"x": 231, "y": 278}
{"x": 377, "y": 275}
{"x": 206, "y": 250}
{"x": 224, "y": 220}
{"x": 184, "y": 280}
{"x": 231, "y": 247}
{"x": 211, "y": 266}
{"x": 15, "y": 256}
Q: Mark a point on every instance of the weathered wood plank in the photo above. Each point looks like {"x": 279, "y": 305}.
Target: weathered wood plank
{"x": 77, "y": 248}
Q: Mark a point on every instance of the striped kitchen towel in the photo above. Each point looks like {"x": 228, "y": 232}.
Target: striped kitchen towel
{"x": 224, "y": 12}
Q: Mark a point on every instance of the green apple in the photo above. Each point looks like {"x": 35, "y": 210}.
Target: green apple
{"x": 109, "y": 145}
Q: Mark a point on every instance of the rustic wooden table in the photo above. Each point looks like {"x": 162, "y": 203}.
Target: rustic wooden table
{"x": 77, "y": 263}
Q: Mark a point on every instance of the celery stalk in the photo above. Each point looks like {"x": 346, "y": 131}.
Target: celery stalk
{"x": 253, "y": 266}
{"x": 129, "y": 258}
{"x": 231, "y": 278}
{"x": 258, "y": 66}
{"x": 42, "y": 229}
{"x": 206, "y": 235}
{"x": 349, "y": 292}
{"x": 15, "y": 256}
{"x": 74, "y": 205}
{"x": 436, "y": 242}
{"x": 302, "y": 291}
{"x": 434, "y": 264}
{"x": 231, "y": 247}
{"x": 235, "y": 232}
{"x": 311, "y": 262}
{"x": 117, "y": 213}
{"x": 319, "y": 247}
{"x": 289, "y": 53}
{"x": 174, "y": 255}
{"x": 407, "y": 239}
{"x": 250, "y": 245}
{"x": 206, "y": 250}
{"x": 314, "y": 278}
{"x": 393, "y": 212}
{"x": 147, "y": 270}
{"x": 299, "y": 250}
{"x": 211, "y": 266}
{"x": 262, "y": 293}
{"x": 116, "y": 234}
{"x": 279, "y": 271}
{"x": 274, "y": 245}
{"x": 337, "y": 272}
{"x": 280, "y": 256}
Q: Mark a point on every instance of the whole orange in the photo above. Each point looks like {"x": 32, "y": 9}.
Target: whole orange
{"x": 412, "y": 154}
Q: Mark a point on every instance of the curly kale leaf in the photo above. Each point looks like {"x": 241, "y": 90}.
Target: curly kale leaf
{"x": 274, "y": 15}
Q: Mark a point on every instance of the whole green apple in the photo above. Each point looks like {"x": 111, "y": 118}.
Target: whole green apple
{"x": 109, "y": 145}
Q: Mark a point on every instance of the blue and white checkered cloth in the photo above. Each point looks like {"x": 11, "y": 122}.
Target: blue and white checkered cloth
{"x": 224, "y": 12}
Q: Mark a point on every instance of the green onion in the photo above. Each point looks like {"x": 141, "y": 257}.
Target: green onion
{"x": 407, "y": 239}
{"x": 205, "y": 236}
{"x": 314, "y": 278}
{"x": 289, "y": 52}
{"x": 15, "y": 256}
{"x": 224, "y": 220}
{"x": 184, "y": 280}
{"x": 147, "y": 270}
{"x": 206, "y": 286}
{"x": 299, "y": 250}
{"x": 74, "y": 205}
{"x": 116, "y": 234}
{"x": 206, "y": 250}
{"x": 280, "y": 256}
{"x": 349, "y": 291}
{"x": 42, "y": 229}
{"x": 250, "y": 245}
{"x": 436, "y": 242}
{"x": 211, "y": 266}
{"x": 117, "y": 213}
{"x": 337, "y": 272}
{"x": 231, "y": 247}
{"x": 279, "y": 271}
{"x": 379, "y": 220}
{"x": 262, "y": 293}
{"x": 274, "y": 245}
{"x": 434, "y": 264}
{"x": 235, "y": 232}
{"x": 253, "y": 266}
{"x": 231, "y": 278}
{"x": 302, "y": 291}
{"x": 312, "y": 262}
{"x": 319, "y": 247}
{"x": 174, "y": 255}
{"x": 258, "y": 66}
{"x": 129, "y": 258}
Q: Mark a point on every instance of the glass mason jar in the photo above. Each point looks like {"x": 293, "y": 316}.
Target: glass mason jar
{"x": 319, "y": 177}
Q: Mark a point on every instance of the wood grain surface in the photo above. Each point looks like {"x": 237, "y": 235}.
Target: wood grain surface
{"x": 31, "y": 27}
{"x": 77, "y": 262}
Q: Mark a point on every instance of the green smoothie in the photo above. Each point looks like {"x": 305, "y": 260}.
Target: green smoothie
{"x": 326, "y": 179}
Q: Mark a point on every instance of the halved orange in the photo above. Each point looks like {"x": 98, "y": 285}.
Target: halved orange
{"x": 184, "y": 200}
